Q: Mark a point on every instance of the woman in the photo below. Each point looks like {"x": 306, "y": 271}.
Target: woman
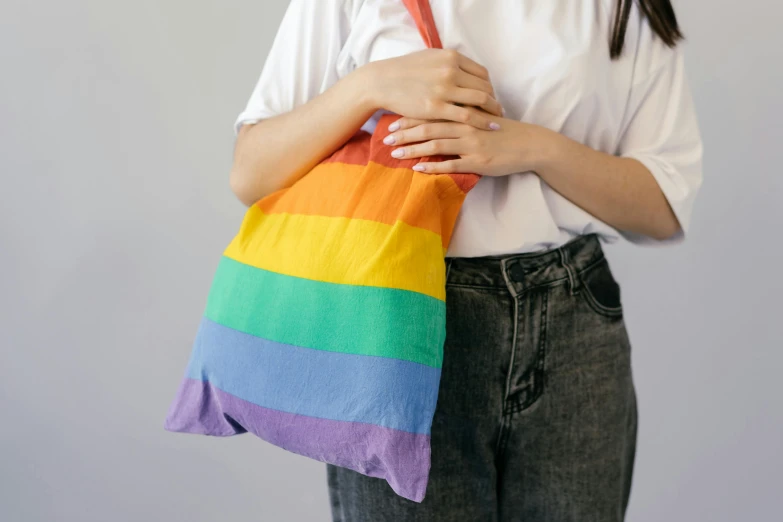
{"x": 579, "y": 116}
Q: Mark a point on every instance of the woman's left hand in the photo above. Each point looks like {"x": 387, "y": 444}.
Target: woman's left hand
{"x": 514, "y": 147}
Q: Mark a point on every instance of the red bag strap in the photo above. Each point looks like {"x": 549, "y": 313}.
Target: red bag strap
{"x": 422, "y": 14}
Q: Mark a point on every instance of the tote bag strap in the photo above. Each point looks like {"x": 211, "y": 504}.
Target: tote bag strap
{"x": 422, "y": 14}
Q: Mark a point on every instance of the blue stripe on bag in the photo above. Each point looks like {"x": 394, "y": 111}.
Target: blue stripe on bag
{"x": 317, "y": 383}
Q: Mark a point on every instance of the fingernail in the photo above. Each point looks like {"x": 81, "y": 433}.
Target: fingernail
{"x": 394, "y": 127}
{"x": 494, "y": 126}
{"x": 420, "y": 168}
{"x": 503, "y": 110}
{"x": 389, "y": 140}
{"x": 398, "y": 153}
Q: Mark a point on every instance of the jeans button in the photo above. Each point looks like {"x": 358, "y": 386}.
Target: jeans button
{"x": 516, "y": 272}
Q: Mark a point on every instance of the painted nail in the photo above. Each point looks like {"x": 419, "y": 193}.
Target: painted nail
{"x": 389, "y": 140}
{"x": 494, "y": 126}
{"x": 398, "y": 153}
{"x": 394, "y": 127}
{"x": 420, "y": 168}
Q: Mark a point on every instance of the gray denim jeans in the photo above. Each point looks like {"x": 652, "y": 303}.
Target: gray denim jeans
{"x": 536, "y": 414}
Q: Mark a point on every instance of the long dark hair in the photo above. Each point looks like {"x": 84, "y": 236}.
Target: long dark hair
{"x": 659, "y": 13}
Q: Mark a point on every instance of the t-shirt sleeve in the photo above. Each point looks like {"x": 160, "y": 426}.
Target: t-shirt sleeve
{"x": 663, "y": 134}
{"x": 303, "y": 60}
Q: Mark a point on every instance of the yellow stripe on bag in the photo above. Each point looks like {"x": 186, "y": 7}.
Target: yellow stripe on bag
{"x": 342, "y": 250}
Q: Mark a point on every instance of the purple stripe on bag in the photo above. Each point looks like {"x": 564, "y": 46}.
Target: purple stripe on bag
{"x": 402, "y": 458}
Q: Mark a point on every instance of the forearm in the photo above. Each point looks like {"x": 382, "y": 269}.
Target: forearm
{"x": 276, "y": 152}
{"x": 433, "y": 84}
{"x": 619, "y": 191}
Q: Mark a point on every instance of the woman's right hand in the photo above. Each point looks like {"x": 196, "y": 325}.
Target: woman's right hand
{"x": 434, "y": 84}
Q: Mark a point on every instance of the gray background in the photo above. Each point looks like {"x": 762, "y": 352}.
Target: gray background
{"x": 116, "y": 140}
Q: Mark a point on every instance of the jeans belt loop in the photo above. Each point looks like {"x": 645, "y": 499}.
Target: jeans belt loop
{"x": 573, "y": 277}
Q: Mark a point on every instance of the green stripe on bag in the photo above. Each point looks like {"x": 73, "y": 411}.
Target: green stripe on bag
{"x": 363, "y": 320}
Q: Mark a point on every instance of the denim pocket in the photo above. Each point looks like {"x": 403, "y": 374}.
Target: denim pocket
{"x": 600, "y": 290}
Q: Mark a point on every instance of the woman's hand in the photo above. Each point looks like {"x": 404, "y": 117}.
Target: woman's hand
{"x": 516, "y": 147}
{"x": 434, "y": 84}
{"x": 620, "y": 191}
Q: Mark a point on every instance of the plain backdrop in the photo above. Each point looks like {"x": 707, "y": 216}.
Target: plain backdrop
{"x": 115, "y": 146}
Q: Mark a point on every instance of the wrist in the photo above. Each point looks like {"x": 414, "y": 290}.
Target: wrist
{"x": 550, "y": 148}
{"x": 364, "y": 88}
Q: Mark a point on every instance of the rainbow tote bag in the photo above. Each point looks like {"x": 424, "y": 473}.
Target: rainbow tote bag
{"x": 324, "y": 327}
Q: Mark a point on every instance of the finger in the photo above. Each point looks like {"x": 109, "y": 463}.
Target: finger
{"x": 474, "y": 68}
{"x": 409, "y": 123}
{"x": 444, "y": 167}
{"x": 406, "y": 123}
{"x": 470, "y": 81}
{"x": 426, "y": 132}
{"x": 468, "y": 116}
{"x": 476, "y": 98}
{"x": 430, "y": 148}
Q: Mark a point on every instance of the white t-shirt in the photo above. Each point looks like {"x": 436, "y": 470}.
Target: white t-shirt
{"x": 549, "y": 63}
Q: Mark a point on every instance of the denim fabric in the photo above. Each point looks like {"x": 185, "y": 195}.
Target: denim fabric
{"x": 536, "y": 415}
